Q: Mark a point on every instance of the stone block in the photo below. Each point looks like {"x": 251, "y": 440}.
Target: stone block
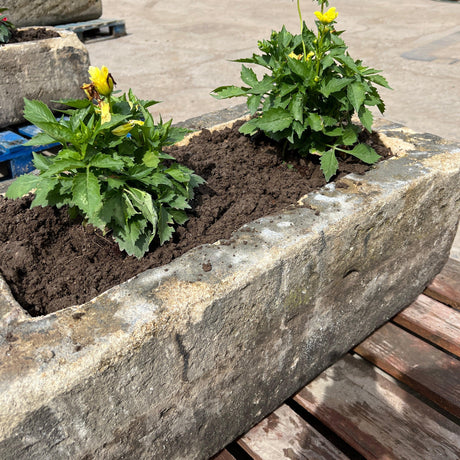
{"x": 51, "y": 12}
{"x": 175, "y": 364}
{"x": 47, "y": 70}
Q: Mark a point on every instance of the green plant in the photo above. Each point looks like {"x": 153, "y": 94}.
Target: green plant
{"x": 308, "y": 98}
{"x": 112, "y": 169}
{"x": 6, "y": 27}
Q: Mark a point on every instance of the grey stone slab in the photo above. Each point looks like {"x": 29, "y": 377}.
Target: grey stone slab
{"x": 51, "y": 12}
{"x": 175, "y": 364}
{"x": 47, "y": 70}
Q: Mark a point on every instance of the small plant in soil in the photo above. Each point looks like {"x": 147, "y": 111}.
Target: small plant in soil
{"x": 6, "y": 27}
{"x": 311, "y": 92}
{"x": 112, "y": 169}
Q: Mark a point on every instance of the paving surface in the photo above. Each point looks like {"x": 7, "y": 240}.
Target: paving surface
{"x": 177, "y": 52}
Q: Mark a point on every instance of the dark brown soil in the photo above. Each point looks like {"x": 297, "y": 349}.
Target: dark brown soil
{"x": 51, "y": 262}
{"x": 27, "y": 35}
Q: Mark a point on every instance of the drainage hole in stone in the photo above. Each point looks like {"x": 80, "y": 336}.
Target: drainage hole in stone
{"x": 351, "y": 273}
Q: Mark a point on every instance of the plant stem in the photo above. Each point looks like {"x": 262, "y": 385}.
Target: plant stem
{"x": 301, "y": 31}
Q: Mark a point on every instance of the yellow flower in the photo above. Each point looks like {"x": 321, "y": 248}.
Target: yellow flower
{"x": 310, "y": 55}
{"x": 296, "y": 56}
{"x": 90, "y": 91}
{"x": 106, "y": 116}
{"x": 329, "y": 16}
{"x": 102, "y": 80}
{"x": 123, "y": 130}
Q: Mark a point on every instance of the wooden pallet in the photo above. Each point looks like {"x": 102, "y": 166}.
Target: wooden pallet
{"x": 395, "y": 396}
{"x": 15, "y": 157}
{"x": 97, "y": 29}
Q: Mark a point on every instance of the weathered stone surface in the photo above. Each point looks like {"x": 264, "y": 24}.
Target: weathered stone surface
{"x": 47, "y": 70}
{"x": 174, "y": 364}
{"x": 51, "y": 12}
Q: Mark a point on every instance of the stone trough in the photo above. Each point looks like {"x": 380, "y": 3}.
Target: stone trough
{"x": 48, "y": 70}
{"x": 179, "y": 361}
{"x": 51, "y": 12}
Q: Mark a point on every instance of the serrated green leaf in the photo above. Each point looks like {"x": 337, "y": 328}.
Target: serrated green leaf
{"x": 298, "y": 128}
{"x": 366, "y": 118}
{"x": 365, "y": 153}
{"x": 75, "y": 103}
{"x": 285, "y": 89}
{"x": 86, "y": 193}
{"x": 57, "y": 131}
{"x": 40, "y": 139}
{"x": 176, "y": 134}
{"x": 178, "y": 175}
{"x": 43, "y": 191}
{"x": 164, "y": 230}
{"x": 41, "y": 162}
{"x": 299, "y": 67}
{"x": 248, "y": 76}
{"x": 180, "y": 202}
{"x": 263, "y": 86}
{"x": 151, "y": 159}
{"x": 101, "y": 160}
{"x": 133, "y": 238}
{"x": 356, "y": 94}
{"x": 349, "y": 136}
{"x": 253, "y": 103}
{"x": 115, "y": 182}
{"x": 334, "y": 132}
{"x": 68, "y": 154}
{"x": 297, "y": 107}
{"x": 315, "y": 122}
{"x": 379, "y": 80}
{"x": 61, "y": 165}
{"x": 37, "y": 112}
{"x": 22, "y": 186}
{"x": 180, "y": 217}
{"x": 225, "y": 92}
{"x": 334, "y": 85}
{"x": 112, "y": 208}
{"x": 143, "y": 201}
{"x": 274, "y": 120}
{"x": 329, "y": 164}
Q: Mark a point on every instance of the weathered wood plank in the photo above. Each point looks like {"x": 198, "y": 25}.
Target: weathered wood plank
{"x": 284, "y": 434}
{"x": 424, "y": 368}
{"x": 377, "y": 417}
{"x": 446, "y": 286}
{"x": 433, "y": 321}
{"x": 224, "y": 455}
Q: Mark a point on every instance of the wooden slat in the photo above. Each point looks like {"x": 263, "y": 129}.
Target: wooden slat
{"x": 424, "y": 368}
{"x": 377, "y": 417}
{"x": 284, "y": 434}
{"x": 224, "y": 455}
{"x": 446, "y": 286}
{"x": 433, "y": 321}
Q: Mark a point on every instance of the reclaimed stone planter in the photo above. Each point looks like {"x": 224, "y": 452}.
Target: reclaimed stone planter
{"x": 177, "y": 362}
{"x": 51, "y": 12}
{"x": 47, "y": 70}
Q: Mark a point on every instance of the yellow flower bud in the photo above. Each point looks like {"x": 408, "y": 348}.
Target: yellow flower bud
{"x": 329, "y": 16}
{"x": 102, "y": 80}
{"x": 123, "y": 130}
{"x": 292, "y": 55}
{"x": 310, "y": 55}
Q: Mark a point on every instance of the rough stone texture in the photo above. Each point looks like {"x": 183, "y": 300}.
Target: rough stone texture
{"x": 167, "y": 366}
{"x": 51, "y": 12}
{"x": 47, "y": 70}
